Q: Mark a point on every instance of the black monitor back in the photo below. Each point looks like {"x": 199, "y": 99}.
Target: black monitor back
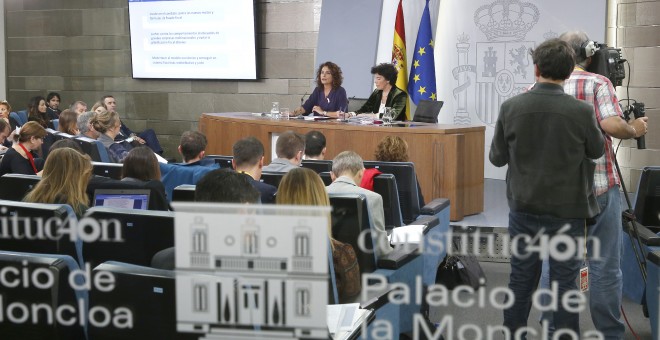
{"x": 184, "y": 193}
{"x": 326, "y": 178}
{"x": 30, "y": 234}
{"x": 150, "y": 295}
{"x": 144, "y": 233}
{"x": 647, "y": 202}
{"x": 385, "y": 185}
{"x": 406, "y": 182}
{"x": 350, "y": 216}
{"x": 14, "y": 187}
{"x": 317, "y": 165}
{"x": 272, "y": 178}
{"x": 223, "y": 161}
{"x": 58, "y": 294}
{"x": 110, "y": 170}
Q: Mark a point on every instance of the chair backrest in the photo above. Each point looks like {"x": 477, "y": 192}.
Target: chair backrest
{"x": 184, "y": 193}
{"x": 326, "y": 178}
{"x": 143, "y": 234}
{"x": 23, "y": 116}
{"x": 60, "y": 292}
{"x": 427, "y": 111}
{"x": 173, "y": 175}
{"x": 150, "y": 295}
{"x": 355, "y": 104}
{"x": 30, "y": 234}
{"x": 223, "y": 161}
{"x": 93, "y": 148}
{"x": 110, "y": 170}
{"x": 406, "y": 182}
{"x": 317, "y": 165}
{"x": 157, "y": 198}
{"x": 647, "y": 199}
{"x": 272, "y": 178}
{"x": 350, "y": 216}
{"x": 385, "y": 185}
{"x": 14, "y": 187}
{"x": 56, "y": 123}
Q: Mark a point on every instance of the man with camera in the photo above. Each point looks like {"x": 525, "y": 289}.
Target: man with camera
{"x": 605, "y": 277}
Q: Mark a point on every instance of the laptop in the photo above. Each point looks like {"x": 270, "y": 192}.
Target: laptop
{"x": 122, "y": 198}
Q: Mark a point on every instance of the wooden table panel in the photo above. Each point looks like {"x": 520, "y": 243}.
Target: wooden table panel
{"x": 449, "y": 159}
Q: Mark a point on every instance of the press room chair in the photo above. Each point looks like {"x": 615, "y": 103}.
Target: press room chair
{"x": 149, "y": 293}
{"x": 355, "y": 104}
{"x": 60, "y": 293}
{"x": 184, "y": 193}
{"x": 318, "y": 165}
{"x": 143, "y": 234}
{"x": 14, "y": 187}
{"x": 223, "y": 161}
{"x": 427, "y": 111}
{"x": 93, "y": 148}
{"x": 406, "y": 182}
{"x": 653, "y": 296}
{"x": 272, "y": 178}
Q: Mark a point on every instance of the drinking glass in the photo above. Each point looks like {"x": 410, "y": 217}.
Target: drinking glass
{"x": 284, "y": 113}
{"x": 388, "y": 115}
{"x": 342, "y": 114}
{"x": 275, "y": 111}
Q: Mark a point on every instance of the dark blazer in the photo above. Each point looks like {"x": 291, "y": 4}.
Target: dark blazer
{"x": 396, "y": 99}
{"x": 267, "y": 191}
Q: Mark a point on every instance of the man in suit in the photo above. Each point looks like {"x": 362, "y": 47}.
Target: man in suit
{"x": 289, "y": 148}
{"x": 315, "y": 145}
{"x": 249, "y": 160}
{"x": 347, "y": 171}
{"x": 147, "y": 136}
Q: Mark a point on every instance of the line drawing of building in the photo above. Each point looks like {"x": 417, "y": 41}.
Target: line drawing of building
{"x": 241, "y": 272}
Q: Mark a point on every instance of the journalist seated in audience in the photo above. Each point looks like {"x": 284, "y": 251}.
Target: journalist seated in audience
{"x": 64, "y": 180}
{"x": 5, "y": 109}
{"x": 108, "y": 124}
{"x": 5, "y": 131}
{"x": 68, "y": 122}
{"x": 217, "y": 186}
{"x": 389, "y": 149}
{"x": 386, "y": 93}
{"x": 141, "y": 166}
{"x": 85, "y": 127}
{"x": 37, "y": 112}
{"x": 290, "y": 147}
{"x": 315, "y": 145}
{"x": 53, "y": 101}
{"x": 21, "y": 157}
{"x": 303, "y": 186}
{"x": 249, "y": 160}
{"x": 99, "y": 107}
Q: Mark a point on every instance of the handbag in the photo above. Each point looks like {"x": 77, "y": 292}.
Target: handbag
{"x": 347, "y": 270}
{"x": 458, "y": 270}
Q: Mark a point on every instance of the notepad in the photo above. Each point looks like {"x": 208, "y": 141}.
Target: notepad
{"x": 407, "y": 234}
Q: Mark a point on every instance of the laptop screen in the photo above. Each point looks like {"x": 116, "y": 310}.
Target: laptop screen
{"x": 122, "y": 198}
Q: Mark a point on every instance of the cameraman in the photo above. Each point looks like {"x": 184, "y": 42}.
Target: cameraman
{"x": 605, "y": 271}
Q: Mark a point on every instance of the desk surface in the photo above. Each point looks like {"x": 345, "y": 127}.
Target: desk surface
{"x": 449, "y": 159}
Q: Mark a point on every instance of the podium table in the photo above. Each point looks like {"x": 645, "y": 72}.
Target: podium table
{"x": 449, "y": 159}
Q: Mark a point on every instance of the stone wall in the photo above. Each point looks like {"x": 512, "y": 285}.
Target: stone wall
{"x": 81, "y": 49}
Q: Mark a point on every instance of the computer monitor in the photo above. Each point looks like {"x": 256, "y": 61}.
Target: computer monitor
{"x": 647, "y": 200}
{"x": 406, "y": 182}
{"x": 223, "y": 161}
{"x": 14, "y": 187}
{"x": 318, "y": 165}
{"x": 150, "y": 295}
{"x": 184, "y": 193}
{"x": 272, "y": 178}
{"x": 58, "y": 293}
{"x": 111, "y": 170}
{"x": 122, "y": 198}
{"x": 143, "y": 234}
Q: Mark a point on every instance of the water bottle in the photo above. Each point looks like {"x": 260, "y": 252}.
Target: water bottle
{"x": 275, "y": 111}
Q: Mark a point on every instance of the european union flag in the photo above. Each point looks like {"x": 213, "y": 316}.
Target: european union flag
{"x": 421, "y": 84}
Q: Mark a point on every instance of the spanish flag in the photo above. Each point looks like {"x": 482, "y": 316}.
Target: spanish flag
{"x": 399, "y": 54}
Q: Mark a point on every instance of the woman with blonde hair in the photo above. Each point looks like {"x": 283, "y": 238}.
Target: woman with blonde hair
{"x": 302, "y": 186}
{"x": 21, "y": 157}
{"x": 64, "y": 180}
{"x": 99, "y": 107}
{"x": 108, "y": 125}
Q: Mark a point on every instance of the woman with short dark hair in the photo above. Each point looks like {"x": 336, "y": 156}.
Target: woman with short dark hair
{"x": 386, "y": 93}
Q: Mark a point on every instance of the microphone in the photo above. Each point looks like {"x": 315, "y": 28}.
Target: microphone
{"x": 302, "y": 99}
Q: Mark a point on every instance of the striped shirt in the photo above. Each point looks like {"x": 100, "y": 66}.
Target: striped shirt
{"x": 597, "y": 90}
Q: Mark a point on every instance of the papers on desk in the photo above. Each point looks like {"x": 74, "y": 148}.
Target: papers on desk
{"x": 407, "y": 234}
{"x": 344, "y": 320}
{"x": 310, "y": 117}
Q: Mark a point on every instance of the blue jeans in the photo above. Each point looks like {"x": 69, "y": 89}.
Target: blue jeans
{"x": 605, "y": 281}
{"x": 526, "y": 268}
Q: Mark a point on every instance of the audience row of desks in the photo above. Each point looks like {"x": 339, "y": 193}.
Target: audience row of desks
{"x": 449, "y": 159}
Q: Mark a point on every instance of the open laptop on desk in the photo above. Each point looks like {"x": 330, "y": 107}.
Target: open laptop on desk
{"x": 122, "y": 198}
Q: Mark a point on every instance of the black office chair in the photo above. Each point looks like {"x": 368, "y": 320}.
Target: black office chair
{"x": 272, "y": 178}
{"x": 184, "y": 193}
{"x": 406, "y": 182}
{"x": 150, "y": 295}
{"x": 647, "y": 199}
{"x": 385, "y": 186}
{"x": 143, "y": 234}
{"x": 427, "y": 111}
{"x": 355, "y": 104}
{"x": 317, "y": 165}
{"x": 14, "y": 187}
{"x": 58, "y": 294}
{"x": 350, "y": 216}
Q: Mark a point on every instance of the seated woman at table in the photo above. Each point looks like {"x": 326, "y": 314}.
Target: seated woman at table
{"x": 328, "y": 97}
{"x": 386, "y": 93}
{"x": 20, "y": 158}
